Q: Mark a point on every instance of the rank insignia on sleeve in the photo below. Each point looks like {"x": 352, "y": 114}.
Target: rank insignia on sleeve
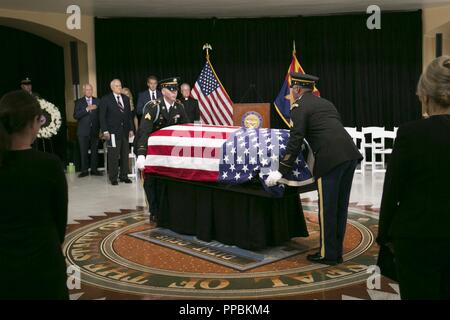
{"x": 148, "y": 116}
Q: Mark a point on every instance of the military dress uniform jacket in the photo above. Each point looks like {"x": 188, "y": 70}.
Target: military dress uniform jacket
{"x": 317, "y": 120}
{"x": 155, "y": 117}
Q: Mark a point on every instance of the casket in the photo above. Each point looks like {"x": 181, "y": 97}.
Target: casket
{"x": 210, "y": 183}
{"x": 228, "y": 155}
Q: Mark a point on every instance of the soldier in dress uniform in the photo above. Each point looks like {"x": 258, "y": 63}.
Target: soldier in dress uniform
{"x": 157, "y": 114}
{"x": 336, "y": 157}
{"x": 27, "y": 86}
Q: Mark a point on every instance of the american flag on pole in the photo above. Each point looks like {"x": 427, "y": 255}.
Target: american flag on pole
{"x": 214, "y": 102}
{"x": 224, "y": 154}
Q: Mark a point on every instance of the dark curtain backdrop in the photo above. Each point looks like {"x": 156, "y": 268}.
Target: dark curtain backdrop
{"x": 26, "y": 55}
{"x": 370, "y": 75}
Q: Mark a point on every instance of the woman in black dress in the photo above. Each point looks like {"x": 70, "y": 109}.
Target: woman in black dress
{"x": 33, "y": 206}
{"x": 415, "y": 208}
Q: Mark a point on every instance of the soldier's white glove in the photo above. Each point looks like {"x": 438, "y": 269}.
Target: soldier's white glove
{"x": 273, "y": 178}
{"x": 140, "y": 162}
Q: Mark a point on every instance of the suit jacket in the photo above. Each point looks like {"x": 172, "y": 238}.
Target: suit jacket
{"x": 317, "y": 120}
{"x": 416, "y": 194}
{"x": 112, "y": 119}
{"x": 191, "y": 108}
{"x": 156, "y": 117}
{"x": 88, "y": 122}
{"x": 143, "y": 98}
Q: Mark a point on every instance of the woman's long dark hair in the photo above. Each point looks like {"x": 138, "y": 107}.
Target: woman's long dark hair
{"x": 17, "y": 110}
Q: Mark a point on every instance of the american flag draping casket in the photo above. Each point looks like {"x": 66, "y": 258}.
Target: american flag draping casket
{"x": 224, "y": 154}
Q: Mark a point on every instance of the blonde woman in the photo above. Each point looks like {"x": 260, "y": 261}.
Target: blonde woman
{"x": 128, "y": 93}
{"x": 415, "y": 208}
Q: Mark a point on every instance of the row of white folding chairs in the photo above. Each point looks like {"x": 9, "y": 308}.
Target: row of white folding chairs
{"x": 373, "y": 138}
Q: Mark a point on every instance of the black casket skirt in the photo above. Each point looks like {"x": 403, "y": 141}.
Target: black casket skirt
{"x": 242, "y": 215}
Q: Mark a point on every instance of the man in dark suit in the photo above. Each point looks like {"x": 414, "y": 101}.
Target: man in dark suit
{"x": 116, "y": 125}
{"x": 86, "y": 113}
{"x": 336, "y": 156}
{"x": 190, "y": 104}
{"x": 157, "y": 115}
{"x": 148, "y": 95}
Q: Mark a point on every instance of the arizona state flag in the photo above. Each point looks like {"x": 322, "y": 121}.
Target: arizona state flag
{"x": 284, "y": 99}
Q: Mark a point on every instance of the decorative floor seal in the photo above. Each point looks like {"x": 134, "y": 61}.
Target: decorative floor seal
{"x": 112, "y": 260}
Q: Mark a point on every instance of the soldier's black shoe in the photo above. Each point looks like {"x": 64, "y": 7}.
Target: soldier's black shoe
{"x": 83, "y": 174}
{"x": 96, "y": 173}
{"x": 127, "y": 180}
{"x": 314, "y": 256}
{"x": 114, "y": 183}
{"x": 317, "y": 258}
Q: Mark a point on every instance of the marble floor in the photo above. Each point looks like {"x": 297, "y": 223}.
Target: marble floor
{"x": 94, "y": 195}
{"x": 115, "y": 264}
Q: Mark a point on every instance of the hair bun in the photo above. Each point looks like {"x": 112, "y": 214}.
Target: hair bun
{"x": 446, "y": 63}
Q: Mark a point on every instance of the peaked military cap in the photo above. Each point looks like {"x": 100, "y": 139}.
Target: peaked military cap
{"x": 26, "y": 81}
{"x": 303, "y": 80}
{"x": 170, "y": 83}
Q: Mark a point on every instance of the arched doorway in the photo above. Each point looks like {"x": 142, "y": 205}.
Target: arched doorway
{"x": 27, "y": 55}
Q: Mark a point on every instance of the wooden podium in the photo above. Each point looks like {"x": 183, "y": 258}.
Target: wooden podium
{"x": 251, "y": 115}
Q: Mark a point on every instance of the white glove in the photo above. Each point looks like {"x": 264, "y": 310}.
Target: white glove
{"x": 273, "y": 178}
{"x": 140, "y": 162}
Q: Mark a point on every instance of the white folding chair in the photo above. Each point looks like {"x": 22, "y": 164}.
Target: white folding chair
{"x": 132, "y": 159}
{"x": 368, "y": 141}
{"x": 103, "y": 152}
{"x": 380, "y": 148}
{"x": 105, "y": 155}
{"x": 395, "y": 131}
{"x": 350, "y": 130}
{"x": 359, "y": 140}
{"x": 100, "y": 151}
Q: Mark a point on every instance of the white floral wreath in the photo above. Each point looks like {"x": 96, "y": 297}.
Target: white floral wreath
{"x": 51, "y": 119}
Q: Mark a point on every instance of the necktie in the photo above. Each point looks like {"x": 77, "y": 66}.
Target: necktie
{"x": 153, "y": 96}
{"x": 120, "y": 104}
{"x": 88, "y": 101}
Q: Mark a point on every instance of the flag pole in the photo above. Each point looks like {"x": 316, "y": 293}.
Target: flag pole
{"x": 294, "y": 51}
{"x": 207, "y": 47}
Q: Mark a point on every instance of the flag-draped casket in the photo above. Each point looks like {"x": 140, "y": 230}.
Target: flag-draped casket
{"x": 224, "y": 154}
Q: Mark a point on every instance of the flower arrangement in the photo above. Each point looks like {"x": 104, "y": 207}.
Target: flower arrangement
{"x": 50, "y": 120}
